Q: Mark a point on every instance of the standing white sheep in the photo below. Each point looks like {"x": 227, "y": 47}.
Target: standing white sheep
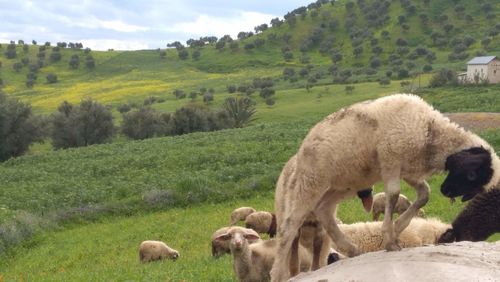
{"x": 156, "y": 250}
{"x": 387, "y": 139}
{"x": 401, "y": 205}
{"x": 253, "y": 262}
{"x": 311, "y": 235}
{"x": 240, "y": 214}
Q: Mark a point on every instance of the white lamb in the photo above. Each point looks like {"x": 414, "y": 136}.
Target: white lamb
{"x": 221, "y": 247}
{"x": 368, "y": 235}
{"x": 240, "y": 214}
{"x": 387, "y": 139}
{"x": 156, "y": 250}
{"x": 401, "y": 205}
{"x": 253, "y": 262}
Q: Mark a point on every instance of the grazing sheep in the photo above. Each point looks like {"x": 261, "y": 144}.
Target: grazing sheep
{"x": 253, "y": 262}
{"x": 387, "y": 139}
{"x": 221, "y": 247}
{"x": 401, "y": 205}
{"x": 478, "y": 220}
{"x": 156, "y": 250}
{"x": 240, "y": 214}
{"x": 368, "y": 235}
{"x": 262, "y": 222}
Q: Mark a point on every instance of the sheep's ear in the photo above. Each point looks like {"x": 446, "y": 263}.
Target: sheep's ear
{"x": 251, "y": 236}
{"x": 223, "y": 237}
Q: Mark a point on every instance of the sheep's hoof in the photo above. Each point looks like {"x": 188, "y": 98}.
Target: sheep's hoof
{"x": 392, "y": 247}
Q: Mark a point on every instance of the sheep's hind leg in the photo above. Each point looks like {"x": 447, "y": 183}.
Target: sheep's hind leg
{"x": 287, "y": 233}
{"x": 392, "y": 188}
{"x": 404, "y": 219}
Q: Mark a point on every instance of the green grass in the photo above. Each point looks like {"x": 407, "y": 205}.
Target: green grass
{"x": 107, "y": 250}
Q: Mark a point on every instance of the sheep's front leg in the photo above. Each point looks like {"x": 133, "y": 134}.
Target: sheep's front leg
{"x": 404, "y": 219}
{"x": 325, "y": 212}
{"x": 392, "y": 188}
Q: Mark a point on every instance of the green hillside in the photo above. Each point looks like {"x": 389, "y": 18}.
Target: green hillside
{"x": 399, "y": 37}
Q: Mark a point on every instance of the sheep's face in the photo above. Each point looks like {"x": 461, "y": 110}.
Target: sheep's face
{"x": 447, "y": 237}
{"x": 238, "y": 238}
{"x": 174, "y": 255}
{"x": 469, "y": 171}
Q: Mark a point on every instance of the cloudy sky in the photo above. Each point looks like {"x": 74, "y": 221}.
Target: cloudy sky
{"x": 132, "y": 25}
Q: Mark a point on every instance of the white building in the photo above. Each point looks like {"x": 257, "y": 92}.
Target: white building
{"x": 481, "y": 69}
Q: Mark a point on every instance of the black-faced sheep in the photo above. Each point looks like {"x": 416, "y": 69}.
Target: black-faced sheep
{"x": 240, "y": 214}
{"x": 253, "y": 262}
{"x": 221, "y": 247}
{"x": 401, "y": 205}
{"x": 478, "y": 220}
{"x": 156, "y": 250}
{"x": 387, "y": 139}
{"x": 262, "y": 222}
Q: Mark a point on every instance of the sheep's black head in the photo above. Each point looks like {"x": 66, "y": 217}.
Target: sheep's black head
{"x": 468, "y": 172}
{"x": 447, "y": 237}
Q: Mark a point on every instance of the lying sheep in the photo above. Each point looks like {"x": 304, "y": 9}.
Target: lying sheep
{"x": 240, "y": 214}
{"x": 221, "y": 247}
{"x": 253, "y": 262}
{"x": 262, "y": 222}
{"x": 156, "y": 250}
{"x": 477, "y": 221}
{"x": 387, "y": 139}
{"x": 368, "y": 235}
{"x": 401, "y": 205}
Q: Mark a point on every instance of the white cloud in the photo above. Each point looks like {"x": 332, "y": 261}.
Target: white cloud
{"x": 105, "y": 44}
{"x": 208, "y": 25}
{"x": 94, "y": 23}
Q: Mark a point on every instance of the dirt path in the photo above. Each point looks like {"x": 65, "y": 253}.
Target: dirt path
{"x": 476, "y": 121}
{"x": 463, "y": 261}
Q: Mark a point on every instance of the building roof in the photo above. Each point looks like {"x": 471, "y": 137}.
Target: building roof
{"x": 481, "y": 60}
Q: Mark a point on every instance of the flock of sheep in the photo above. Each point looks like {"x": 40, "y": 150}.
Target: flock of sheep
{"x": 394, "y": 138}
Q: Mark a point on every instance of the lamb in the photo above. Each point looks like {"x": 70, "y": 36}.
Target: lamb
{"x": 240, "y": 214}
{"x": 221, "y": 247}
{"x": 156, "y": 250}
{"x": 253, "y": 262}
{"x": 387, "y": 139}
{"x": 262, "y": 222}
{"x": 478, "y": 220}
{"x": 368, "y": 235}
{"x": 401, "y": 205}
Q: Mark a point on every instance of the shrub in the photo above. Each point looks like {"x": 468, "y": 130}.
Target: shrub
{"x": 19, "y": 128}
{"x": 51, "y": 78}
{"x": 123, "y": 108}
{"x": 83, "y": 125}
{"x": 145, "y": 122}
{"x": 443, "y": 77}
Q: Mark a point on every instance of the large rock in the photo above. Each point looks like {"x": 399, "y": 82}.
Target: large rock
{"x": 462, "y": 261}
